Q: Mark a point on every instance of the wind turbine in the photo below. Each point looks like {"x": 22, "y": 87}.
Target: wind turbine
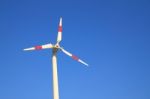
{"x": 55, "y": 48}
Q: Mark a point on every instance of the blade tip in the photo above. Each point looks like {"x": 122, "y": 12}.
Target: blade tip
{"x": 24, "y": 49}
{"x": 87, "y": 65}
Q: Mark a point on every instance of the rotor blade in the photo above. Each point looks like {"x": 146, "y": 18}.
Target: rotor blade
{"x": 73, "y": 57}
{"x": 59, "y": 36}
{"x": 39, "y": 47}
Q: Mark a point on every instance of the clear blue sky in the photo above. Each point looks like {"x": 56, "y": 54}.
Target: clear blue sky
{"x": 113, "y": 36}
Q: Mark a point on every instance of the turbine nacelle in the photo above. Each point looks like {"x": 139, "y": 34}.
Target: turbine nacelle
{"x": 56, "y": 46}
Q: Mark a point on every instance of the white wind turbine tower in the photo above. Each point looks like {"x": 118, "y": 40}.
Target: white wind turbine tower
{"x": 55, "y": 48}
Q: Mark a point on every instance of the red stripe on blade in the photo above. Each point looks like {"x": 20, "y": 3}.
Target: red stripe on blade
{"x": 60, "y": 29}
{"x": 38, "y": 47}
{"x": 75, "y": 57}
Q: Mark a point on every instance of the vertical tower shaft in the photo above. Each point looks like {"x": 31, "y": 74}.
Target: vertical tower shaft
{"x": 55, "y": 75}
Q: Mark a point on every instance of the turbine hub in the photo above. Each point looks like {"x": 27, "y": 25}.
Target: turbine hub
{"x": 56, "y": 46}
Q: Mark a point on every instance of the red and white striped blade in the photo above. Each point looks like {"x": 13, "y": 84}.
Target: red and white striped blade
{"x": 73, "y": 57}
{"x": 59, "y": 36}
{"x": 46, "y": 46}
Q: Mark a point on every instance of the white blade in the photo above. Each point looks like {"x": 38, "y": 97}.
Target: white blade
{"x": 59, "y": 36}
{"x": 73, "y": 57}
{"x": 46, "y": 46}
